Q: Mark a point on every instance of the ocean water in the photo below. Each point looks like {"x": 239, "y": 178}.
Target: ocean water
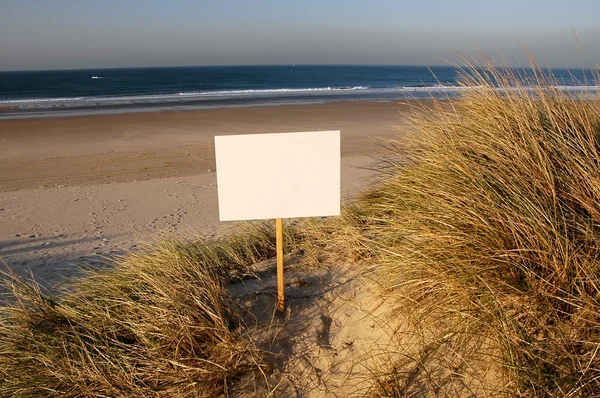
{"x": 47, "y": 93}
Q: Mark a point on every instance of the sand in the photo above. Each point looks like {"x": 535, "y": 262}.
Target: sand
{"x": 337, "y": 328}
{"x": 79, "y": 191}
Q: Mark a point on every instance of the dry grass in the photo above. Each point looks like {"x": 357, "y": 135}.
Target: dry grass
{"x": 489, "y": 231}
{"x": 158, "y": 325}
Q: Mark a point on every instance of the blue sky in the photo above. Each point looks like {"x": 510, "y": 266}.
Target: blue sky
{"x": 54, "y": 34}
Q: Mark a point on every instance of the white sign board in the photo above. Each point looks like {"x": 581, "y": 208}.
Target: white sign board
{"x": 262, "y": 176}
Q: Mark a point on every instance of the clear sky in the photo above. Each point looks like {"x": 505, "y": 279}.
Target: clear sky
{"x": 58, "y": 34}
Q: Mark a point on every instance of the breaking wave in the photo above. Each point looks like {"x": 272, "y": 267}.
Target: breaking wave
{"x": 279, "y": 94}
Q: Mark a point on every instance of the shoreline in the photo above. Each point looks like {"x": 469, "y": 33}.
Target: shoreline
{"x": 13, "y": 112}
{"x": 19, "y": 113}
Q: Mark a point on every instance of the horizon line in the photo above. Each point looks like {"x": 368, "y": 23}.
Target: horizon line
{"x": 209, "y": 66}
{"x": 261, "y": 65}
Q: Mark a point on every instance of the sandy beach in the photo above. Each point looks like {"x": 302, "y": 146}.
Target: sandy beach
{"x": 78, "y": 191}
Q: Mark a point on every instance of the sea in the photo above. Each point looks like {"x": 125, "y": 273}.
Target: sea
{"x": 27, "y": 94}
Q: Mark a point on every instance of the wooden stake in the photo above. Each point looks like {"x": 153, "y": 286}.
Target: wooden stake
{"x": 280, "y": 286}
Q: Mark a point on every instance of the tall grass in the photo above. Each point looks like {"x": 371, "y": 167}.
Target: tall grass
{"x": 160, "y": 324}
{"x": 491, "y": 233}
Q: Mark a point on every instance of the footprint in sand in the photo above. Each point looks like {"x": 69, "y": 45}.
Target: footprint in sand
{"x": 324, "y": 334}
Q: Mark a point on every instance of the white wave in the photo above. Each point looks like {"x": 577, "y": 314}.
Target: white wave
{"x": 249, "y": 94}
{"x": 41, "y": 100}
{"x": 259, "y": 91}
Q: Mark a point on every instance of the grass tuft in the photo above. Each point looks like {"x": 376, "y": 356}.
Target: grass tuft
{"x": 160, "y": 324}
{"x": 490, "y": 231}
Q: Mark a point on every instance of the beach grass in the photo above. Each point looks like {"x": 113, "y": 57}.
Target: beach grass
{"x": 159, "y": 324}
{"x": 488, "y": 235}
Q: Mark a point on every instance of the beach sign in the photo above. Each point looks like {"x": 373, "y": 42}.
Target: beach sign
{"x": 277, "y": 176}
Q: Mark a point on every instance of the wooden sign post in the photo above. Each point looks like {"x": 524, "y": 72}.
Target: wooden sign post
{"x": 277, "y": 176}
{"x": 280, "y": 282}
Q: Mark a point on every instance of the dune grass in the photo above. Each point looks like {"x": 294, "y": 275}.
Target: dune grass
{"x": 159, "y": 324}
{"x": 489, "y": 233}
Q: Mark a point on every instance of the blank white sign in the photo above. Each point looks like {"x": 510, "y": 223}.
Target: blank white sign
{"x": 284, "y": 175}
